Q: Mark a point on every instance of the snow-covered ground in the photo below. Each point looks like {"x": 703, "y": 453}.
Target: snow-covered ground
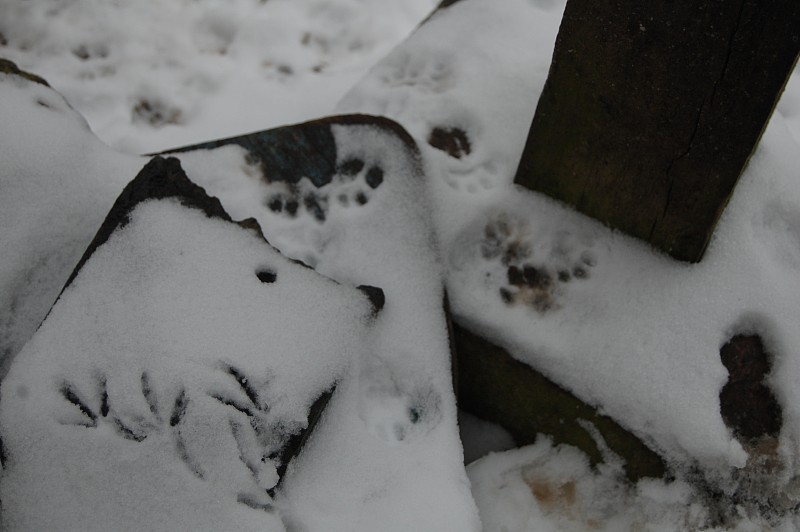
{"x": 151, "y": 75}
{"x": 635, "y": 333}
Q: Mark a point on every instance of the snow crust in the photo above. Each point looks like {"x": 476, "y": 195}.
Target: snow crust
{"x": 153, "y": 75}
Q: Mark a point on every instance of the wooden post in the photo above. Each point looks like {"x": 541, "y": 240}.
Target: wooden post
{"x": 652, "y": 109}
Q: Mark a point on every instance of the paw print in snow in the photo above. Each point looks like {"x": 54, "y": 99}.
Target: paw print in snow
{"x": 537, "y": 270}
{"x": 465, "y": 168}
{"x": 451, "y": 140}
{"x": 351, "y": 186}
{"x": 356, "y": 182}
{"x": 426, "y": 73}
{"x": 395, "y": 408}
{"x": 505, "y": 239}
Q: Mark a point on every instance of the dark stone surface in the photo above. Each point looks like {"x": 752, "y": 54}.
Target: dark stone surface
{"x": 296, "y": 443}
{"x": 287, "y": 154}
{"x": 290, "y": 153}
{"x": 9, "y": 67}
{"x": 651, "y": 110}
{"x": 160, "y": 178}
{"x": 442, "y": 5}
{"x": 747, "y": 405}
{"x": 494, "y": 386}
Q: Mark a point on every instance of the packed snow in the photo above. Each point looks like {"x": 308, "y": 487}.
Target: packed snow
{"x": 168, "y": 376}
{"x": 376, "y": 232}
{"x": 154, "y": 75}
{"x": 622, "y": 327}
{"x": 51, "y": 205}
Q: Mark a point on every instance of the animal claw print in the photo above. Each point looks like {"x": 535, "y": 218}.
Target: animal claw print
{"x": 261, "y": 438}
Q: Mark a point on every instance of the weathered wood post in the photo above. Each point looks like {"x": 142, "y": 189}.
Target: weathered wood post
{"x": 648, "y": 117}
{"x": 652, "y": 109}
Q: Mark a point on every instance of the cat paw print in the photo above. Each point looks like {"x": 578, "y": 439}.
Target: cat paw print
{"x": 538, "y": 268}
{"x": 429, "y": 73}
{"x": 451, "y": 140}
{"x": 464, "y": 168}
{"x": 355, "y": 182}
{"x": 353, "y": 185}
{"x": 396, "y": 409}
{"x": 506, "y": 240}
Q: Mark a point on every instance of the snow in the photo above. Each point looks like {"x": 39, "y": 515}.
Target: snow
{"x": 392, "y": 422}
{"x": 547, "y": 488}
{"x": 154, "y": 75}
{"x": 188, "y": 314}
{"x": 404, "y": 434}
{"x": 54, "y": 199}
{"x": 631, "y": 331}
{"x": 481, "y": 437}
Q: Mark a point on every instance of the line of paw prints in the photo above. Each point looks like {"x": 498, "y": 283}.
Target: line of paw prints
{"x": 536, "y": 284}
{"x": 352, "y": 185}
{"x": 259, "y": 440}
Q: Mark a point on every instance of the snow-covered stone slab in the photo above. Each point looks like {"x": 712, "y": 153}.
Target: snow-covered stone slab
{"x": 360, "y": 213}
{"x": 367, "y": 222}
{"x": 174, "y": 377}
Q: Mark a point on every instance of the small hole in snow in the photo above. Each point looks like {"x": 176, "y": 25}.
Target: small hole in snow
{"x": 266, "y": 276}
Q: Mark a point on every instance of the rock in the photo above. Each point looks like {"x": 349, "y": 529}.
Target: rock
{"x": 179, "y": 373}
{"x": 159, "y": 179}
{"x": 348, "y": 196}
{"x": 9, "y": 67}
